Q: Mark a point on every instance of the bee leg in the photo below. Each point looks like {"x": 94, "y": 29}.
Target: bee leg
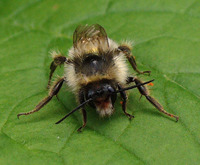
{"x": 53, "y": 92}
{"x": 57, "y": 60}
{"x": 127, "y": 51}
{"x": 130, "y": 79}
{"x": 84, "y": 120}
{"x": 124, "y": 98}
{"x": 81, "y": 100}
{"x": 144, "y": 91}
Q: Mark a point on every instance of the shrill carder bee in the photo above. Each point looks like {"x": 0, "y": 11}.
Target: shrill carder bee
{"x": 96, "y": 71}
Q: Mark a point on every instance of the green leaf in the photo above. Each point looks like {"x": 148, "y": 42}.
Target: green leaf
{"x": 167, "y": 42}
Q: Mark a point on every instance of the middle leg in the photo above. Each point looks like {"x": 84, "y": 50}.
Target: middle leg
{"x": 145, "y": 92}
{"x": 53, "y": 92}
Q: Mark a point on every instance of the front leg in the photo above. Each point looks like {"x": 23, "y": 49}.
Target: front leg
{"x": 124, "y": 98}
{"x": 127, "y": 51}
{"x": 81, "y": 100}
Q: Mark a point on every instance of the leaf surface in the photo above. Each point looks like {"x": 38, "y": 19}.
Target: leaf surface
{"x": 167, "y": 42}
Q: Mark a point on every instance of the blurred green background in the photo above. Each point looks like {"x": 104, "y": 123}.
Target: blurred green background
{"x": 166, "y": 34}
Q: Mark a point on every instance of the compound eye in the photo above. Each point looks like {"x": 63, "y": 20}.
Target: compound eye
{"x": 110, "y": 89}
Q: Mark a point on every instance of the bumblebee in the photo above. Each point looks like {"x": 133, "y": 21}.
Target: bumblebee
{"x": 96, "y": 71}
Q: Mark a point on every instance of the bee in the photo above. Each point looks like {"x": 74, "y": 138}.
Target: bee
{"x": 96, "y": 71}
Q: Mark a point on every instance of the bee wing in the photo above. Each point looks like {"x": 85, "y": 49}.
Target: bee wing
{"x": 86, "y": 33}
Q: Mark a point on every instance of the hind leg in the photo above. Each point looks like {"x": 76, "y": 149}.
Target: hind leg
{"x": 58, "y": 59}
{"x": 127, "y": 52}
{"x": 145, "y": 92}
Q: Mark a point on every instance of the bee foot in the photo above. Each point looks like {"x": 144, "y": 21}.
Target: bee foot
{"x": 130, "y": 116}
{"x": 146, "y": 72}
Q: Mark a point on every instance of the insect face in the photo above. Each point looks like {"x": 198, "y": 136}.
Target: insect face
{"x": 103, "y": 96}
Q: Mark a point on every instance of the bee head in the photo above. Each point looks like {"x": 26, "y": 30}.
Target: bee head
{"x": 100, "y": 91}
{"x": 102, "y": 94}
